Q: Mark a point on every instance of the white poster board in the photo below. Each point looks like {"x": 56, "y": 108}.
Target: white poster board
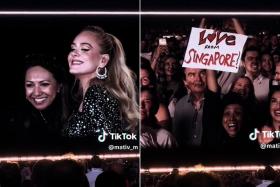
{"x": 216, "y": 50}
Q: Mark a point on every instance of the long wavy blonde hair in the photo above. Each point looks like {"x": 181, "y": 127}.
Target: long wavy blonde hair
{"x": 121, "y": 80}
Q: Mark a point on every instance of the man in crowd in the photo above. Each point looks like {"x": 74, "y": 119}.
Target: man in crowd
{"x": 196, "y": 117}
{"x": 251, "y": 60}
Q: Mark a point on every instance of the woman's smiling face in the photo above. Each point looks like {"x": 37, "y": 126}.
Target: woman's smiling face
{"x": 41, "y": 87}
{"x": 232, "y": 119}
{"x": 85, "y": 55}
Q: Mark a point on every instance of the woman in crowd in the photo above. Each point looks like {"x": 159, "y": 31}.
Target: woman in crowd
{"x": 148, "y": 79}
{"x": 273, "y": 122}
{"x": 147, "y": 74}
{"x": 234, "y": 122}
{"x": 105, "y": 86}
{"x": 169, "y": 78}
{"x": 151, "y": 135}
{"x": 243, "y": 86}
{"x": 47, "y": 105}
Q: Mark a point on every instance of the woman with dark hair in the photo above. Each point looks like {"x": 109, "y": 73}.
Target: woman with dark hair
{"x": 152, "y": 136}
{"x": 148, "y": 79}
{"x": 243, "y": 86}
{"x": 147, "y": 74}
{"x": 234, "y": 122}
{"x": 38, "y": 126}
{"x": 169, "y": 79}
{"x": 273, "y": 121}
{"x": 46, "y": 91}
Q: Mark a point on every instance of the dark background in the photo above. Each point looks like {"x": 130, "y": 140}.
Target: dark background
{"x": 207, "y": 5}
{"x": 190, "y": 157}
{"x": 146, "y": 5}
{"x": 23, "y": 35}
{"x": 168, "y": 23}
{"x": 86, "y": 5}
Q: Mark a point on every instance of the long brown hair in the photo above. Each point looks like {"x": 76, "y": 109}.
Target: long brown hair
{"x": 121, "y": 80}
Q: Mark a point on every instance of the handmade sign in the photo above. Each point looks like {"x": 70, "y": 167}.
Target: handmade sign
{"x": 216, "y": 50}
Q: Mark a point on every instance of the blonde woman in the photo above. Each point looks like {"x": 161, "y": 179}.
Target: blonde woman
{"x": 106, "y": 86}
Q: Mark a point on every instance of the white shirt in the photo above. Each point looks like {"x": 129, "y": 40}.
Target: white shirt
{"x": 264, "y": 183}
{"x": 92, "y": 175}
{"x": 261, "y": 86}
{"x": 156, "y": 138}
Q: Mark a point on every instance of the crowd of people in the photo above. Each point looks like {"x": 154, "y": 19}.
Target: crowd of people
{"x": 191, "y": 107}
{"x": 94, "y": 172}
{"x": 267, "y": 177}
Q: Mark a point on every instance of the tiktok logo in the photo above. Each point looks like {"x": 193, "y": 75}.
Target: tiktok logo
{"x": 102, "y": 137}
{"x": 116, "y": 136}
{"x": 254, "y": 135}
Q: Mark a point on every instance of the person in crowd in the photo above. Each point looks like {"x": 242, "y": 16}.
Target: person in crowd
{"x": 169, "y": 77}
{"x": 276, "y": 56}
{"x": 226, "y": 78}
{"x": 105, "y": 91}
{"x": 26, "y": 173}
{"x": 46, "y": 107}
{"x": 159, "y": 52}
{"x": 234, "y": 122}
{"x": 267, "y": 65}
{"x": 265, "y": 43}
{"x": 146, "y": 53}
{"x": 95, "y": 169}
{"x": 199, "y": 179}
{"x": 244, "y": 87}
{"x": 41, "y": 173}
{"x": 147, "y": 74}
{"x": 276, "y": 78}
{"x": 277, "y": 73}
{"x": 10, "y": 174}
{"x": 195, "y": 120}
{"x": 169, "y": 82}
{"x": 110, "y": 179}
{"x": 68, "y": 173}
{"x": 148, "y": 79}
{"x": 273, "y": 122}
{"x": 266, "y": 176}
{"x": 151, "y": 135}
{"x": 251, "y": 60}
{"x": 274, "y": 44}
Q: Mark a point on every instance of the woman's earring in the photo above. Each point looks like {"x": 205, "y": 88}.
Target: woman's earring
{"x": 101, "y": 73}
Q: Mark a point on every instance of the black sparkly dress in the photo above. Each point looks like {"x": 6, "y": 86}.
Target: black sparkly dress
{"x": 101, "y": 112}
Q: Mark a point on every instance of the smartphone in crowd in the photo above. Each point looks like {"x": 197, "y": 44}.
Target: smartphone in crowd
{"x": 162, "y": 42}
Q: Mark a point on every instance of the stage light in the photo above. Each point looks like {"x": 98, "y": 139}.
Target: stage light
{"x": 170, "y": 13}
{"x": 111, "y": 156}
{"x": 67, "y": 13}
{"x": 207, "y": 169}
{"x": 205, "y": 13}
{"x": 66, "y": 156}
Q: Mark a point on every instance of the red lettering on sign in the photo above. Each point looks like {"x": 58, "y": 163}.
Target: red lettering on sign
{"x": 216, "y": 36}
{"x": 226, "y": 60}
